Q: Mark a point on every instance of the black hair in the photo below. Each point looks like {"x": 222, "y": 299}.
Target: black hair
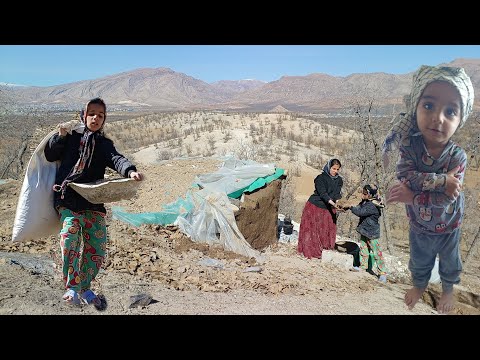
{"x": 371, "y": 189}
{"x": 335, "y": 162}
{"x": 98, "y": 101}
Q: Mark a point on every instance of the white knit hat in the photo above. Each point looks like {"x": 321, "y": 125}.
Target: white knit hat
{"x": 405, "y": 124}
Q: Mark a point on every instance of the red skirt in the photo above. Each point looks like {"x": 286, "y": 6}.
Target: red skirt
{"x": 318, "y": 231}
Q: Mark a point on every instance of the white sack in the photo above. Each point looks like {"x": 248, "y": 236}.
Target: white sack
{"x": 35, "y": 216}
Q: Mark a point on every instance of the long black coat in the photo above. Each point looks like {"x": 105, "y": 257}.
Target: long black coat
{"x": 326, "y": 189}
{"x": 66, "y": 149}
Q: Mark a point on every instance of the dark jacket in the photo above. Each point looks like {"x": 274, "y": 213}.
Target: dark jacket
{"x": 369, "y": 214}
{"x": 66, "y": 150}
{"x": 326, "y": 188}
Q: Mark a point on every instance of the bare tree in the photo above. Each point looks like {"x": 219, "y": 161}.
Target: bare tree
{"x": 188, "y": 149}
{"x": 472, "y": 146}
{"x": 227, "y": 136}
{"x": 246, "y": 151}
{"x": 366, "y": 156}
{"x": 472, "y": 248}
{"x": 470, "y": 226}
{"x": 211, "y": 142}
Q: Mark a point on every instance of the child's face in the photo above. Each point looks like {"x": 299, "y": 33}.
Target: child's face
{"x": 439, "y": 113}
{"x": 364, "y": 194}
{"x": 95, "y": 116}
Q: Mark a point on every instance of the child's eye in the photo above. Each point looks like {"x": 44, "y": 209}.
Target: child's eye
{"x": 428, "y": 106}
{"x": 451, "y": 112}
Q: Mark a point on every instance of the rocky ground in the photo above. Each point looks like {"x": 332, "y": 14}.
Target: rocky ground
{"x": 173, "y": 275}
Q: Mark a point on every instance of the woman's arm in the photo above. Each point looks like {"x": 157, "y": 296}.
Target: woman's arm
{"x": 321, "y": 188}
{"x": 117, "y": 161}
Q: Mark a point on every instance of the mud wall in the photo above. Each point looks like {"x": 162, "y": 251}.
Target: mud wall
{"x": 258, "y": 215}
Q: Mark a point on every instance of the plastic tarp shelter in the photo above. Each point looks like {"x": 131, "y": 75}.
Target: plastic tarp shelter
{"x": 207, "y": 215}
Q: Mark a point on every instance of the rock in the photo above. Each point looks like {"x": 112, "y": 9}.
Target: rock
{"x": 139, "y": 300}
{"x": 340, "y": 259}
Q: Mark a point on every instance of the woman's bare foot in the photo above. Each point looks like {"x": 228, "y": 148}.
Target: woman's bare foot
{"x": 412, "y": 296}
{"x": 446, "y": 303}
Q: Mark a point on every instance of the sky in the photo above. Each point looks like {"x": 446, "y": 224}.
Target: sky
{"x": 47, "y": 65}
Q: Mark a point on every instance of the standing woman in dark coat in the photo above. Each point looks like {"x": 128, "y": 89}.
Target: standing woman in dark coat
{"x": 318, "y": 227}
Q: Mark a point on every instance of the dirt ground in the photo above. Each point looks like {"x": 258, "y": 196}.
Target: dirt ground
{"x": 177, "y": 276}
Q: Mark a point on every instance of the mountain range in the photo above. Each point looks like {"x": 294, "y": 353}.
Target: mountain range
{"x": 164, "y": 89}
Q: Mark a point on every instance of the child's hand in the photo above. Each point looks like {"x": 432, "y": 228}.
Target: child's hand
{"x": 453, "y": 186}
{"x": 136, "y": 175}
{"x": 400, "y": 192}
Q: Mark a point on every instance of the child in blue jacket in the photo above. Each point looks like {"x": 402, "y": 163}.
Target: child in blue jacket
{"x": 369, "y": 212}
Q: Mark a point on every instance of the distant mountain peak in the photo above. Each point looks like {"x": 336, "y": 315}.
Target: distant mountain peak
{"x": 279, "y": 109}
{"x": 165, "y": 89}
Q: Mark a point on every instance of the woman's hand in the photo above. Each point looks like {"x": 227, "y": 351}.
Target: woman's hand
{"x": 335, "y": 205}
{"x": 136, "y": 175}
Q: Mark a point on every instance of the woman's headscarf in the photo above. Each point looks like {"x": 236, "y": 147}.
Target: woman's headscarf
{"x": 86, "y": 149}
{"x": 405, "y": 124}
{"x": 327, "y": 167}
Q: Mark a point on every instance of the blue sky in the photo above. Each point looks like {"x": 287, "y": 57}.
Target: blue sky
{"x": 46, "y": 65}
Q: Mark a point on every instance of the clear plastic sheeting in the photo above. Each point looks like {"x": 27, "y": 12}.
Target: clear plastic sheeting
{"x": 234, "y": 175}
{"x": 207, "y": 215}
{"x": 212, "y": 221}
